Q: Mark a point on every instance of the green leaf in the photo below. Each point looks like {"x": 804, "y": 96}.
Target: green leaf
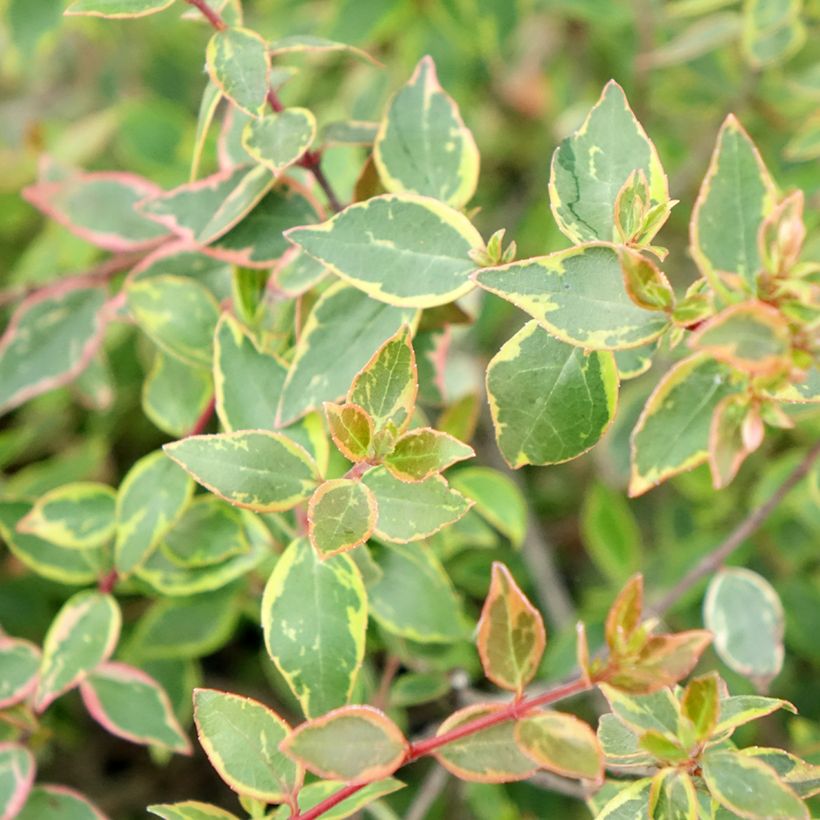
{"x": 75, "y": 516}
{"x": 423, "y": 452}
{"x": 635, "y": 361}
{"x": 17, "y": 770}
{"x": 630, "y": 803}
{"x": 511, "y": 636}
{"x": 700, "y": 705}
{"x": 312, "y": 794}
{"x": 177, "y": 313}
{"x": 323, "y": 678}
{"x": 348, "y": 132}
{"x": 406, "y": 250}
{"x": 298, "y": 272}
{"x": 76, "y": 567}
{"x": 797, "y": 774}
{"x": 735, "y": 197}
{"x": 487, "y": 756}
{"x": 497, "y": 499}
{"x": 341, "y": 334}
{"x": 341, "y": 515}
{"x": 58, "y": 802}
{"x": 673, "y": 796}
{"x": 610, "y": 533}
{"x": 410, "y": 512}
{"x": 550, "y": 401}
{"x": 241, "y": 738}
{"x": 132, "y": 705}
{"x": 211, "y": 98}
{"x": 804, "y": 144}
{"x": 413, "y": 597}
{"x": 187, "y": 627}
{"x": 309, "y": 43}
{"x": 117, "y": 8}
{"x": 176, "y": 394}
{"x": 590, "y": 167}
{"x": 190, "y": 810}
{"x": 772, "y": 31}
{"x": 206, "y": 210}
{"x": 238, "y": 63}
{"x": 740, "y": 709}
{"x": 82, "y": 635}
{"x": 385, "y": 388}
{"x": 279, "y": 139}
{"x": 357, "y": 744}
{"x": 672, "y": 433}
{"x": 414, "y": 688}
{"x": 751, "y": 336}
{"x": 745, "y": 614}
{"x": 423, "y": 146}
{"x": 50, "y": 339}
{"x": 662, "y": 748}
{"x": 19, "y": 664}
{"x": 620, "y": 744}
{"x": 257, "y": 469}
{"x": 208, "y": 532}
{"x": 749, "y": 787}
{"x": 658, "y": 711}
{"x": 579, "y": 296}
{"x": 150, "y": 499}
{"x": 100, "y": 208}
{"x": 561, "y": 743}
{"x": 351, "y": 429}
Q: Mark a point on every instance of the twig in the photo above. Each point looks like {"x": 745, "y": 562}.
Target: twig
{"x": 382, "y": 696}
{"x": 204, "y": 417}
{"x": 561, "y": 785}
{"x": 213, "y": 17}
{"x": 712, "y": 562}
{"x": 432, "y": 786}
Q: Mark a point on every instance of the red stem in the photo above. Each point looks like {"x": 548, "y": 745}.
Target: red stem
{"x": 204, "y": 418}
{"x": 513, "y": 711}
{"x": 210, "y": 15}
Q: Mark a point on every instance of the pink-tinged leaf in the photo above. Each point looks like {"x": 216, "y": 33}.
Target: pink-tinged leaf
{"x": 351, "y": 429}
{"x": 203, "y": 211}
{"x": 489, "y": 755}
{"x": 99, "y": 207}
{"x": 561, "y": 743}
{"x": 46, "y": 801}
{"x": 342, "y": 514}
{"x": 355, "y": 743}
{"x": 19, "y": 662}
{"x": 51, "y": 338}
{"x": 625, "y": 614}
{"x": 17, "y": 770}
{"x": 752, "y": 336}
{"x": 423, "y": 452}
{"x": 645, "y": 283}
{"x": 511, "y": 635}
{"x": 728, "y": 447}
{"x": 130, "y": 704}
{"x": 82, "y": 635}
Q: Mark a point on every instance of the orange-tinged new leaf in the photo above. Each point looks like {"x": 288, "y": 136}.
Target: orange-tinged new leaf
{"x": 561, "y": 743}
{"x": 700, "y": 704}
{"x": 511, "y": 635}
{"x": 357, "y": 744}
{"x": 624, "y": 614}
{"x": 351, "y": 429}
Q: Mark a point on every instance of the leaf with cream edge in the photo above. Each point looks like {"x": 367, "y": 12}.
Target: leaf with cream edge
{"x": 800, "y": 776}
{"x": 51, "y": 338}
{"x": 314, "y": 793}
{"x": 58, "y": 802}
{"x": 116, "y": 9}
{"x": 279, "y": 139}
{"x": 748, "y": 787}
{"x": 550, "y": 402}
{"x": 211, "y": 97}
{"x": 562, "y": 744}
{"x": 741, "y": 709}
{"x": 175, "y": 394}
{"x": 340, "y": 335}
{"x": 673, "y": 794}
{"x": 590, "y": 167}
{"x": 753, "y": 337}
{"x": 672, "y": 433}
{"x": 75, "y": 516}
{"x": 311, "y": 44}
{"x": 488, "y": 756}
{"x": 324, "y": 677}
{"x": 735, "y": 197}
{"x": 410, "y": 512}
{"x": 241, "y": 737}
{"x": 423, "y": 452}
{"x": 178, "y": 313}
{"x": 423, "y": 146}
{"x": 82, "y": 635}
{"x": 256, "y": 469}
{"x": 17, "y": 771}
{"x": 700, "y": 705}
{"x": 351, "y": 429}
{"x": 386, "y": 387}
{"x": 745, "y": 614}
{"x": 100, "y": 208}
{"x": 20, "y": 663}
{"x": 341, "y": 515}
{"x": 190, "y": 810}
{"x": 132, "y": 705}
{"x": 403, "y": 249}
{"x": 357, "y": 744}
{"x": 150, "y": 499}
{"x": 579, "y": 296}
{"x": 629, "y": 803}
{"x": 511, "y": 637}
{"x": 238, "y": 63}
{"x": 205, "y": 211}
